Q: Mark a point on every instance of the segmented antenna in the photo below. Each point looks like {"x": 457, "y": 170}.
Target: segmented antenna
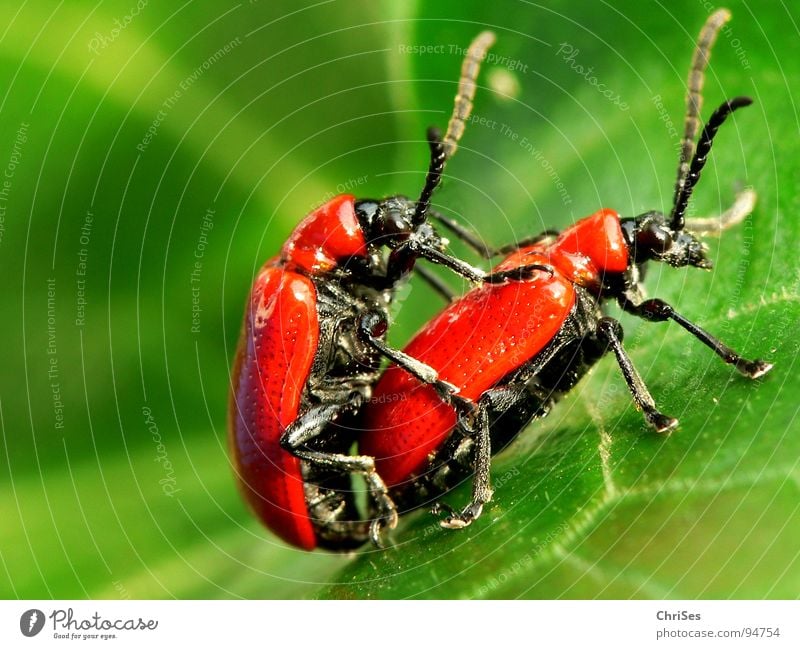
{"x": 694, "y": 96}
{"x": 716, "y": 120}
{"x": 433, "y": 177}
{"x": 466, "y": 90}
{"x": 442, "y": 149}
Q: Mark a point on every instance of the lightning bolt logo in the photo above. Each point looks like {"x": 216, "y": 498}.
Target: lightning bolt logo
{"x": 31, "y": 622}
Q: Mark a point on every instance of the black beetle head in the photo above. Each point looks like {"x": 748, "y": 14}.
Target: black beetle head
{"x": 388, "y": 222}
{"x": 650, "y": 237}
{"x": 654, "y": 236}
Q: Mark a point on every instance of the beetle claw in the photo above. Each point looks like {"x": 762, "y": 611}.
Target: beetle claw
{"x": 386, "y": 517}
{"x": 439, "y": 507}
{"x": 446, "y": 390}
{"x": 377, "y": 525}
{"x": 449, "y": 393}
{"x": 375, "y": 534}
{"x": 457, "y": 520}
{"x": 754, "y": 369}
{"x": 454, "y": 523}
{"x": 662, "y": 423}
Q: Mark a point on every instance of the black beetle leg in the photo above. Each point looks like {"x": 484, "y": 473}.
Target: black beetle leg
{"x": 371, "y": 322}
{"x": 520, "y": 273}
{"x": 310, "y": 425}
{"x": 527, "y": 241}
{"x": 478, "y": 428}
{"x": 436, "y": 283}
{"x": 476, "y": 275}
{"x": 402, "y": 260}
{"x": 498, "y": 277}
{"x": 494, "y": 400}
{"x": 473, "y": 241}
{"x": 657, "y": 311}
{"x": 464, "y": 234}
{"x": 610, "y": 332}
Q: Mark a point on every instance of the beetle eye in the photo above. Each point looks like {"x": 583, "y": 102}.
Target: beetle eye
{"x": 392, "y": 223}
{"x": 654, "y": 238}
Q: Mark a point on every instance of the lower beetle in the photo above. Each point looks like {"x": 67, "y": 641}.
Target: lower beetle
{"x": 513, "y": 350}
{"x": 312, "y": 342}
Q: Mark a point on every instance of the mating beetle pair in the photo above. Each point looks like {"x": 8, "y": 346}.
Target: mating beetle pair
{"x": 312, "y": 343}
{"x": 474, "y": 377}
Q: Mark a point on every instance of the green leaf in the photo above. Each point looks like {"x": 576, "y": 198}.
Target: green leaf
{"x": 320, "y": 98}
{"x": 589, "y": 503}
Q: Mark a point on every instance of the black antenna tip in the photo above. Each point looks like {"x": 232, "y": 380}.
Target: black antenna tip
{"x": 433, "y": 177}
{"x": 739, "y": 102}
{"x": 718, "y": 117}
{"x": 434, "y": 134}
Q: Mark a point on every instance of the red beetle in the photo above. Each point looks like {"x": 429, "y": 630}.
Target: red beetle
{"x": 312, "y": 344}
{"x": 513, "y": 350}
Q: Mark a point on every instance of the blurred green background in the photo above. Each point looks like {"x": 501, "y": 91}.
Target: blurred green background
{"x": 155, "y": 154}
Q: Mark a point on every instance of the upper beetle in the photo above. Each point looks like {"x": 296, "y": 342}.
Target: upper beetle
{"x": 311, "y": 346}
{"x": 514, "y": 350}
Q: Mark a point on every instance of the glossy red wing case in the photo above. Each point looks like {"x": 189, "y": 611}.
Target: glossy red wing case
{"x": 276, "y": 350}
{"x": 473, "y": 343}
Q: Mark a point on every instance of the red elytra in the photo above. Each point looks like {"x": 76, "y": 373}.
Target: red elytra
{"x": 483, "y": 337}
{"x": 330, "y": 233}
{"x": 312, "y": 346}
{"x": 273, "y": 363}
{"x": 278, "y": 346}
